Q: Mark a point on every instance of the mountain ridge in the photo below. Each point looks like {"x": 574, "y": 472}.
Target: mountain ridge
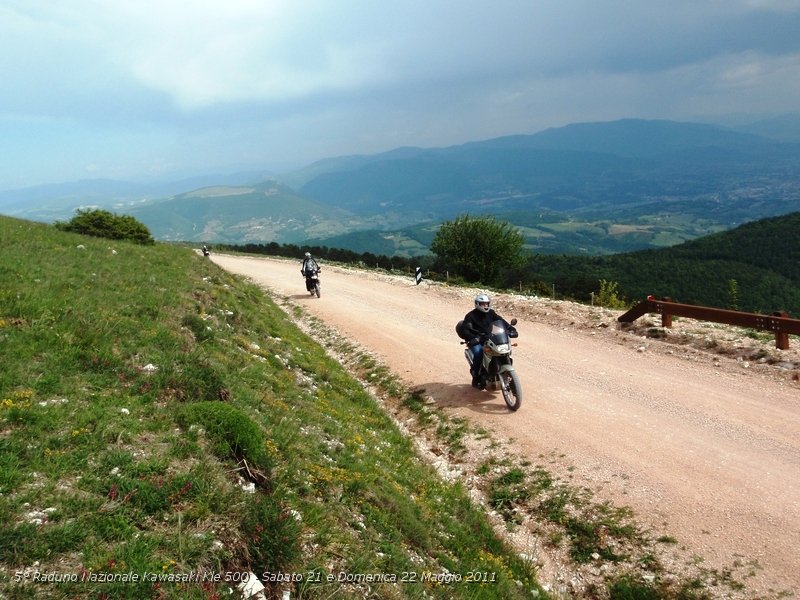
{"x": 652, "y": 183}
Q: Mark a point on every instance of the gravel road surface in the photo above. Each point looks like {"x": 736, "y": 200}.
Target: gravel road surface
{"x": 706, "y": 454}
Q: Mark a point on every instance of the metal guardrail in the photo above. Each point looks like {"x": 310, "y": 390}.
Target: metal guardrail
{"x": 778, "y": 322}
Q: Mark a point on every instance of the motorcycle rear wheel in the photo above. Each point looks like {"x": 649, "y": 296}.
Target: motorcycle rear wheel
{"x": 511, "y": 388}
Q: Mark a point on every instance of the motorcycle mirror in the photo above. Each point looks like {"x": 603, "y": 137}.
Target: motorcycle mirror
{"x": 513, "y": 321}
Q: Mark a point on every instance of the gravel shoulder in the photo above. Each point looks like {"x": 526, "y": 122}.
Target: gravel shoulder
{"x": 695, "y": 428}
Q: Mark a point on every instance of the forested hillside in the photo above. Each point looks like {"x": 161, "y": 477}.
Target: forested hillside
{"x": 754, "y": 267}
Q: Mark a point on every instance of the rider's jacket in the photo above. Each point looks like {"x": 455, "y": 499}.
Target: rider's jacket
{"x": 309, "y": 265}
{"x": 477, "y": 323}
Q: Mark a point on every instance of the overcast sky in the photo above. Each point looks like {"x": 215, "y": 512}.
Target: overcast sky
{"x": 131, "y": 89}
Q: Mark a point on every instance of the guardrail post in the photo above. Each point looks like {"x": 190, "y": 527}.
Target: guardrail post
{"x": 781, "y": 337}
{"x": 666, "y": 317}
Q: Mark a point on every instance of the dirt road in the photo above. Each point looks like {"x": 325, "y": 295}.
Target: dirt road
{"x": 707, "y": 455}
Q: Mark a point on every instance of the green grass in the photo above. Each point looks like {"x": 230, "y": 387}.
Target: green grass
{"x": 161, "y": 417}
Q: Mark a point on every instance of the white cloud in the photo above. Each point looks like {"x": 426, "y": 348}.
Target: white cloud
{"x": 203, "y": 53}
{"x": 143, "y": 85}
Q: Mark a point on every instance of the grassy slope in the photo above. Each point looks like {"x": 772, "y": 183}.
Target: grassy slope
{"x": 161, "y": 417}
{"x": 142, "y": 388}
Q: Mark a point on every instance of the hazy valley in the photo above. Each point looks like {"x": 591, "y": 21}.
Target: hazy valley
{"x": 587, "y": 189}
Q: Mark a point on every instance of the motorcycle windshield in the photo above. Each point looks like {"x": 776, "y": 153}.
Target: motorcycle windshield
{"x": 499, "y": 333}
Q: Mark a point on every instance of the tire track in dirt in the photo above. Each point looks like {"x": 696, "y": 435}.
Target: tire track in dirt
{"x": 708, "y": 456}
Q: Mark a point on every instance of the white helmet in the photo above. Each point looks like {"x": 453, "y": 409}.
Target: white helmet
{"x": 308, "y": 254}
{"x": 482, "y": 302}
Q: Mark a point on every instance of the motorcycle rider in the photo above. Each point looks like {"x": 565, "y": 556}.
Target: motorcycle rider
{"x": 477, "y": 325}
{"x": 309, "y": 267}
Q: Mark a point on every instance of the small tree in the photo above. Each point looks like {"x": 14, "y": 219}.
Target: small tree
{"x": 608, "y": 296}
{"x": 733, "y": 294}
{"x": 478, "y": 248}
{"x": 101, "y": 223}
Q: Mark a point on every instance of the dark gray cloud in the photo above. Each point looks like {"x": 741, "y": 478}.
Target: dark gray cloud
{"x": 130, "y": 89}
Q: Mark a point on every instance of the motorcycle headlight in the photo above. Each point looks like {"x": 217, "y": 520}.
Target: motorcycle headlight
{"x": 502, "y": 348}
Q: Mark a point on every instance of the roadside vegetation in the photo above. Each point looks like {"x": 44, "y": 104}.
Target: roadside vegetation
{"x": 168, "y": 431}
{"x": 478, "y": 248}
{"x": 165, "y": 431}
{"x": 102, "y": 223}
{"x": 753, "y": 267}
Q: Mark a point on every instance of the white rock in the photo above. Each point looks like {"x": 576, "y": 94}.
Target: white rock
{"x": 252, "y": 587}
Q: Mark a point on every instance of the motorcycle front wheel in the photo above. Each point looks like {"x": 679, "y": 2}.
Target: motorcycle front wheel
{"x": 316, "y": 289}
{"x": 511, "y": 388}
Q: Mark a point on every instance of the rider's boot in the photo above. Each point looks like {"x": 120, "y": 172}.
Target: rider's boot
{"x": 477, "y": 379}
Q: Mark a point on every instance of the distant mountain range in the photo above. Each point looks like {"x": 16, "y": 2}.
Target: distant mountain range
{"x": 59, "y": 201}
{"x": 589, "y": 188}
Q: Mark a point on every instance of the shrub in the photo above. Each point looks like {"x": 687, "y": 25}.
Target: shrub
{"x": 274, "y": 536}
{"x": 233, "y": 435}
{"x": 608, "y": 296}
{"x": 101, "y": 223}
{"x": 478, "y": 248}
{"x": 627, "y": 588}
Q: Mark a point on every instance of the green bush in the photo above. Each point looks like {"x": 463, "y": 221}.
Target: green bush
{"x": 608, "y": 296}
{"x": 101, "y": 223}
{"x": 232, "y": 433}
{"x": 478, "y": 248}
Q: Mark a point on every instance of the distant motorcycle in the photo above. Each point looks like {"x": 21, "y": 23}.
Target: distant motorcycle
{"x": 312, "y": 281}
{"x": 205, "y": 251}
{"x": 497, "y": 367}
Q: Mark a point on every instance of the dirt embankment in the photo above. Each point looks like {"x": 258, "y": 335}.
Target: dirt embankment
{"x": 697, "y": 429}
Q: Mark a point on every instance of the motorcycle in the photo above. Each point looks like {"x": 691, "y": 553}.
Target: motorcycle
{"x": 206, "y": 252}
{"x": 312, "y": 281}
{"x": 497, "y": 368}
